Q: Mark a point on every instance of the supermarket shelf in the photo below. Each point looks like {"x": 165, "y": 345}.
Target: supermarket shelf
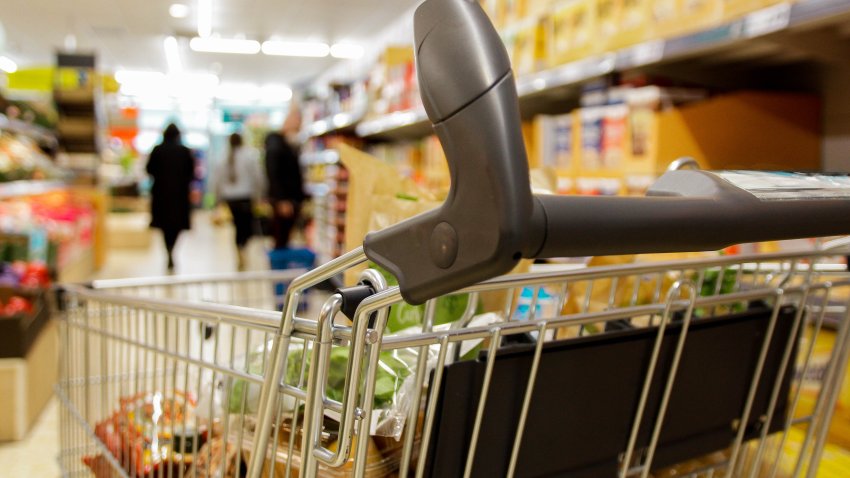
{"x": 36, "y": 132}
{"x": 328, "y": 156}
{"x": 770, "y": 23}
{"x": 395, "y": 126}
{"x": 28, "y": 188}
{"x": 338, "y": 123}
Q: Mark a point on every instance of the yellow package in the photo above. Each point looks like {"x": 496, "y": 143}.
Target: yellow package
{"x": 698, "y": 14}
{"x": 571, "y": 32}
{"x": 634, "y": 22}
{"x": 736, "y": 8}
{"x": 608, "y": 22}
{"x": 664, "y": 17}
{"x": 529, "y": 48}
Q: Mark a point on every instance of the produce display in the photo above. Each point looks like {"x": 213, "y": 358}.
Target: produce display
{"x": 24, "y": 274}
{"x": 14, "y": 306}
{"x": 51, "y": 228}
{"x": 21, "y": 158}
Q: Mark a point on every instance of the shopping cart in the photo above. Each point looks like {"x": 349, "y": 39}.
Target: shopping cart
{"x": 717, "y": 366}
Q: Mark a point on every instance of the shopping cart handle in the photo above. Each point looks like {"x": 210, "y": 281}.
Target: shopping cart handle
{"x": 469, "y": 94}
{"x": 490, "y": 219}
{"x": 685, "y": 210}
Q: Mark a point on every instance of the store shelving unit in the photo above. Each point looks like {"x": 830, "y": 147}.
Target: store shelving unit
{"x": 28, "y": 188}
{"x": 328, "y": 187}
{"x": 80, "y": 115}
{"x": 768, "y": 36}
{"x": 340, "y": 123}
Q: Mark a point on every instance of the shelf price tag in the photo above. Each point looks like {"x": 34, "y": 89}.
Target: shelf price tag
{"x": 767, "y": 20}
{"x": 646, "y": 53}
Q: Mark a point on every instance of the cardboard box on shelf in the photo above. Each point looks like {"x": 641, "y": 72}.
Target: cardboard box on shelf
{"x": 664, "y": 18}
{"x": 601, "y": 140}
{"x": 698, "y": 14}
{"x": 745, "y": 130}
{"x": 529, "y": 47}
{"x": 571, "y": 32}
{"x": 608, "y": 14}
{"x": 736, "y": 8}
{"x": 634, "y": 22}
{"x": 553, "y": 142}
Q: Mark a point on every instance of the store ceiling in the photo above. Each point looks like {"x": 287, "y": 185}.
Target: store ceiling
{"x": 129, "y": 34}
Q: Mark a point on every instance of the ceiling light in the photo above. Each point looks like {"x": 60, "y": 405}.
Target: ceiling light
{"x": 204, "y": 18}
{"x": 172, "y": 55}
{"x": 225, "y": 45}
{"x": 275, "y": 94}
{"x": 245, "y": 92}
{"x": 346, "y": 51}
{"x": 178, "y": 10}
{"x": 7, "y": 65}
{"x": 291, "y": 48}
{"x": 193, "y": 85}
{"x": 131, "y": 76}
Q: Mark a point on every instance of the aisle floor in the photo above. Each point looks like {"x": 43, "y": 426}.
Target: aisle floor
{"x": 204, "y": 249}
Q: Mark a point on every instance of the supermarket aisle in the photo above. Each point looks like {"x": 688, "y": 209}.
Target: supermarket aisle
{"x": 202, "y": 250}
{"x": 205, "y": 249}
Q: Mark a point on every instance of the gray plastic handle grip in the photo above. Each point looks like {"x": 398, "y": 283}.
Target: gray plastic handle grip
{"x": 686, "y": 210}
{"x": 469, "y": 94}
{"x": 490, "y": 219}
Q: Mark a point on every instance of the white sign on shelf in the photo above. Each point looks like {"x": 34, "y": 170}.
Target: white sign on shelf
{"x": 767, "y": 20}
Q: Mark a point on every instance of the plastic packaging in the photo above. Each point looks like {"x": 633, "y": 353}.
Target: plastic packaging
{"x": 150, "y": 433}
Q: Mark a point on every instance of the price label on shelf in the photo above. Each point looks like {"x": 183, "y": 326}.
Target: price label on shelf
{"x": 646, "y": 53}
{"x": 776, "y": 185}
{"x": 767, "y": 20}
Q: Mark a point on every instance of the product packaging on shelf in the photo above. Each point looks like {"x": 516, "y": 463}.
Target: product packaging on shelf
{"x": 571, "y": 32}
{"x": 635, "y": 21}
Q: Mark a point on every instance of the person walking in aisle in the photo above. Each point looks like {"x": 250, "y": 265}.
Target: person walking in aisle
{"x": 286, "y": 189}
{"x": 238, "y": 181}
{"x": 172, "y": 167}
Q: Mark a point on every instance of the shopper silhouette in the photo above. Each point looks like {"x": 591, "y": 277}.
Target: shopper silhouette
{"x": 238, "y": 181}
{"x": 172, "y": 167}
{"x": 286, "y": 190}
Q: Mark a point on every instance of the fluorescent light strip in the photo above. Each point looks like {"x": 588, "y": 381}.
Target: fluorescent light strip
{"x": 7, "y": 65}
{"x": 178, "y": 10}
{"x": 204, "y": 18}
{"x": 225, "y": 45}
{"x": 290, "y": 48}
{"x": 346, "y": 51}
{"x": 274, "y": 94}
{"x": 131, "y": 76}
{"x": 172, "y": 55}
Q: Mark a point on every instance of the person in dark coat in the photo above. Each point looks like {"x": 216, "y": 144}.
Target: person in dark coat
{"x": 285, "y": 184}
{"x": 172, "y": 167}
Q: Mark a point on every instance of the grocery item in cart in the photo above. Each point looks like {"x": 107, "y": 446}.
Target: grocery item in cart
{"x": 382, "y": 457}
{"x": 150, "y": 432}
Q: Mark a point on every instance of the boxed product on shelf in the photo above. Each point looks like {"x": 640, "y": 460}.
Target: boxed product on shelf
{"x": 393, "y": 84}
{"x": 571, "y": 31}
{"x": 529, "y": 47}
{"x": 745, "y": 130}
{"x": 607, "y": 22}
{"x": 634, "y": 23}
{"x": 664, "y": 17}
{"x": 735, "y": 8}
{"x": 553, "y": 143}
{"x": 697, "y": 14}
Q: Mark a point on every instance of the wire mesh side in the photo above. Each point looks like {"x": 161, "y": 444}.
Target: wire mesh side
{"x": 120, "y": 346}
{"x": 145, "y": 391}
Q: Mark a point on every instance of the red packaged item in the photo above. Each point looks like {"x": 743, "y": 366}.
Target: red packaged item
{"x": 148, "y": 433}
